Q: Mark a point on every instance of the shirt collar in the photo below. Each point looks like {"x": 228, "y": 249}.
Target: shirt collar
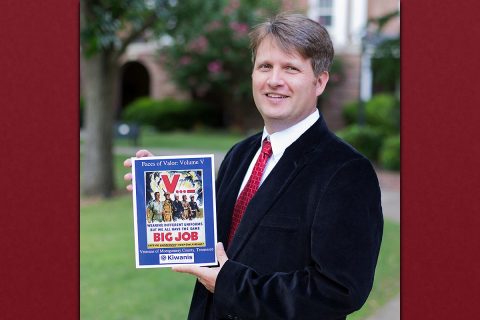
{"x": 283, "y": 139}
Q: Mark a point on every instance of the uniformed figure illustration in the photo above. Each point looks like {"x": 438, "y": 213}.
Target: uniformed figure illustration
{"x": 154, "y": 208}
{"x": 186, "y": 208}
{"x": 193, "y": 208}
{"x": 177, "y": 208}
{"x": 167, "y": 207}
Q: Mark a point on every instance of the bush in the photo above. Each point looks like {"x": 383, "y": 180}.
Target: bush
{"x": 169, "y": 114}
{"x": 366, "y": 139}
{"x": 390, "y": 153}
{"x": 382, "y": 112}
{"x": 350, "y": 112}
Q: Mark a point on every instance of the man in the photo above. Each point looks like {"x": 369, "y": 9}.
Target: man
{"x": 177, "y": 208}
{"x": 193, "y": 208}
{"x": 311, "y": 256}
{"x": 167, "y": 207}
{"x": 186, "y": 210}
{"x": 154, "y": 208}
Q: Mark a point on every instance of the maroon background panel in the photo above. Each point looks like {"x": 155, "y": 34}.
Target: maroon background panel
{"x": 39, "y": 139}
{"x": 39, "y": 164}
{"x": 440, "y": 160}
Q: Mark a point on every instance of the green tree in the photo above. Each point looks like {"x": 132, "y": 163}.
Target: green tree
{"x": 210, "y": 56}
{"x": 386, "y": 59}
{"x": 107, "y": 28}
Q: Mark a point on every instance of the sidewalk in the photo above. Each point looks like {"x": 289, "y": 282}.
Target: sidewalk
{"x": 390, "y": 187}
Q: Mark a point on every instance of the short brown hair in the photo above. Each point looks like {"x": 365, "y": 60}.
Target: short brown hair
{"x": 296, "y": 32}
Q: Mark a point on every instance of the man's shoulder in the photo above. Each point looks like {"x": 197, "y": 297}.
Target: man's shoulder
{"x": 331, "y": 151}
{"x": 249, "y": 141}
{"x": 246, "y": 144}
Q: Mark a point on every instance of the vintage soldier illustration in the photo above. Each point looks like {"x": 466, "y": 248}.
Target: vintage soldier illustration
{"x": 167, "y": 207}
{"x": 193, "y": 208}
{"x": 154, "y": 209}
{"x": 177, "y": 208}
{"x": 186, "y": 208}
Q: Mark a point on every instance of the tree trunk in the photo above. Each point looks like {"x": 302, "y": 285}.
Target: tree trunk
{"x": 99, "y": 74}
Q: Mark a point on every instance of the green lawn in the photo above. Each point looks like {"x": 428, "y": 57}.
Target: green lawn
{"x": 199, "y": 140}
{"x": 112, "y": 288}
{"x": 110, "y": 285}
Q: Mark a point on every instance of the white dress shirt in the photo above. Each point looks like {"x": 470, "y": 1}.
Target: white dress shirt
{"x": 280, "y": 141}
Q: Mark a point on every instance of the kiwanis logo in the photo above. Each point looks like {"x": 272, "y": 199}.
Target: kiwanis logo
{"x": 177, "y": 258}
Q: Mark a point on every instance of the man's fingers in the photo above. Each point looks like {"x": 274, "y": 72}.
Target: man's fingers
{"x": 127, "y": 163}
{"x": 196, "y": 271}
{"x": 143, "y": 153}
{"x": 221, "y": 254}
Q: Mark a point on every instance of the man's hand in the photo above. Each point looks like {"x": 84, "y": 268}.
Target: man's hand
{"x": 206, "y": 276}
{"x": 128, "y": 164}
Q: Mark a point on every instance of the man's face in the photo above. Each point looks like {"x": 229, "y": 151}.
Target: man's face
{"x": 157, "y": 196}
{"x": 284, "y": 86}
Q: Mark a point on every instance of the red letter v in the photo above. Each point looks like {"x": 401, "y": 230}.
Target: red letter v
{"x": 170, "y": 186}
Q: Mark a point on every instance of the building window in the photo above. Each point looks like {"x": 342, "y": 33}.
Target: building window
{"x": 325, "y": 12}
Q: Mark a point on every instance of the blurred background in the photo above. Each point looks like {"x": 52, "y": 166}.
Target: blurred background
{"x": 174, "y": 77}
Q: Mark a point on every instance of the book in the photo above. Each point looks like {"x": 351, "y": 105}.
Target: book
{"x": 174, "y": 211}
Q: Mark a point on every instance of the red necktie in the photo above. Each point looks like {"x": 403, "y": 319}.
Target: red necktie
{"x": 250, "y": 188}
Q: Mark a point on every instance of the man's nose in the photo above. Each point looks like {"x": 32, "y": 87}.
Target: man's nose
{"x": 275, "y": 78}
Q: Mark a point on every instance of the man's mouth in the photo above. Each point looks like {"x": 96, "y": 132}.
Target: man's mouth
{"x": 276, "y": 96}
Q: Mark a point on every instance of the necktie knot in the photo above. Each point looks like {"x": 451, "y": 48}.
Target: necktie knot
{"x": 267, "y": 148}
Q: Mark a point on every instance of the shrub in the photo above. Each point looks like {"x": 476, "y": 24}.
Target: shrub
{"x": 169, "y": 114}
{"x": 365, "y": 139}
{"x": 390, "y": 153}
{"x": 350, "y": 112}
{"x": 382, "y": 112}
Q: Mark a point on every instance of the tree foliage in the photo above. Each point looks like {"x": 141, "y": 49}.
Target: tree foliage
{"x": 386, "y": 59}
{"x": 111, "y": 25}
{"x": 210, "y": 55}
{"x": 107, "y": 28}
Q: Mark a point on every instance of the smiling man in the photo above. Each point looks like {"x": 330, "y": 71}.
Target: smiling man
{"x": 297, "y": 208}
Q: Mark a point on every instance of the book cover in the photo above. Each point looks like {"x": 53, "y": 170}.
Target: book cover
{"x": 174, "y": 211}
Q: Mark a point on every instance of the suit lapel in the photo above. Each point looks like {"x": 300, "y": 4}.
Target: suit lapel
{"x": 291, "y": 163}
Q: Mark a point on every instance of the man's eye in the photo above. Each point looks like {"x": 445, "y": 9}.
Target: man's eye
{"x": 292, "y": 69}
{"x": 264, "y": 67}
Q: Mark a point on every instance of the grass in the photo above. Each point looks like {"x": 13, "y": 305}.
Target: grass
{"x": 199, "y": 140}
{"x": 111, "y": 287}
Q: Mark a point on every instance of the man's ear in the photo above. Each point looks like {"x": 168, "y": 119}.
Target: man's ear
{"x": 321, "y": 82}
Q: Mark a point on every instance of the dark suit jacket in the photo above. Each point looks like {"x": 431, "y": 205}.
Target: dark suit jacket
{"x": 308, "y": 243}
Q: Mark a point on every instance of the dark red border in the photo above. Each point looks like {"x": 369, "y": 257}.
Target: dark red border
{"x": 440, "y": 160}
{"x": 39, "y": 217}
